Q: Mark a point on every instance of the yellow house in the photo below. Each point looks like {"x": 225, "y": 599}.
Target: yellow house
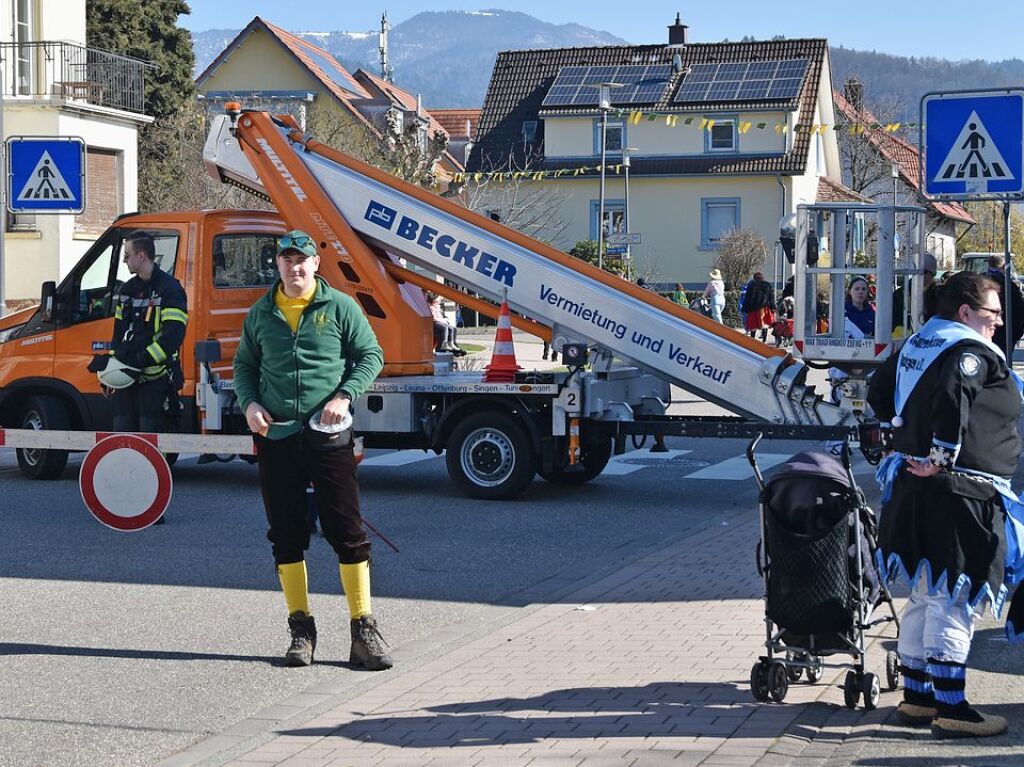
{"x": 716, "y": 137}
{"x": 268, "y": 67}
{"x": 54, "y": 86}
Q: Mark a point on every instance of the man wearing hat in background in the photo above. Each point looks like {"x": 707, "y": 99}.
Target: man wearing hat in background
{"x": 307, "y": 351}
{"x": 714, "y": 292}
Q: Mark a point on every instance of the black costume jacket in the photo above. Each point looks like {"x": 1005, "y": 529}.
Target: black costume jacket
{"x": 149, "y": 323}
{"x": 962, "y": 415}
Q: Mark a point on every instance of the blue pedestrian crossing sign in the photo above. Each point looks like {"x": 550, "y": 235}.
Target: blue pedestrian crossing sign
{"x": 45, "y": 174}
{"x": 973, "y": 145}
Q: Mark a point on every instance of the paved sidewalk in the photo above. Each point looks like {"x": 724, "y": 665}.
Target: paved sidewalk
{"x": 648, "y": 666}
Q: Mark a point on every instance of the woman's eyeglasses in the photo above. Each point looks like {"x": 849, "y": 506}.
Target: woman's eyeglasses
{"x": 993, "y": 312}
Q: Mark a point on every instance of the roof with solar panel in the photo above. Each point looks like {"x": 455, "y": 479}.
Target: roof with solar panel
{"x": 766, "y": 76}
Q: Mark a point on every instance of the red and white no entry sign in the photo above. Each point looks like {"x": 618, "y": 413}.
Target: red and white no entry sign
{"x": 125, "y": 482}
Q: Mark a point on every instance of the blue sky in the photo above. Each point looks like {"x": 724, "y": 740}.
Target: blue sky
{"x": 942, "y": 28}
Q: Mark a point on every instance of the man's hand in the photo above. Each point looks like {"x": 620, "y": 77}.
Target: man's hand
{"x": 334, "y": 411}
{"x": 258, "y": 418}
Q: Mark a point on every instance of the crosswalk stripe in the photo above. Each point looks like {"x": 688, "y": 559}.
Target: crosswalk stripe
{"x": 618, "y": 465}
{"x": 738, "y": 468}
{"x": 399, "y": 458}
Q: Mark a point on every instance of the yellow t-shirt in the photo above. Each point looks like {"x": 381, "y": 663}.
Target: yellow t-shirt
{"x": 292, "y": 308}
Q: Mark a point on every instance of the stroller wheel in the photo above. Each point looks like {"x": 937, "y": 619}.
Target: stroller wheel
{"x": 871, "y": 689}
{"x": 778, "y": 681}
{"x": 816, "y": 671}
{"x": 759, "y": 682}
{"x": 795, "y": 672}
{"x": 892, "y": 669}
{"x": 851, "y": 690}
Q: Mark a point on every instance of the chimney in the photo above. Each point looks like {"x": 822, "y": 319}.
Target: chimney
{"x": 854, "y": 93}
{"x": 677, "y": 32}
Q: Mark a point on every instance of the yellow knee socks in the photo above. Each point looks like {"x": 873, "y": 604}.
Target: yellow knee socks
{"x": 355, "y": 580}
{"x": 295, "y": 586}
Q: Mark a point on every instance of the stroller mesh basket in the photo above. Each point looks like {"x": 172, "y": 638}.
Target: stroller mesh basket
{"x": 809, "y": 588}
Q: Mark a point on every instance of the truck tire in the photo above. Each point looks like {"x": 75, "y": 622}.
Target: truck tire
{"x": 43, "y": 412}
{"x": 489, "y": 456}
{"x": 594, "y": 456}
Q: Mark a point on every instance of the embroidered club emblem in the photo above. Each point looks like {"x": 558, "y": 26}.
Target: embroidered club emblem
{"x": 320, "y": 321}
{"x": 969, "y": 364}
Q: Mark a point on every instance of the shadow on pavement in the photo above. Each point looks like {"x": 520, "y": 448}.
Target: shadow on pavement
{"x": 670, "y": 709}
{"x": 23, "y": 648}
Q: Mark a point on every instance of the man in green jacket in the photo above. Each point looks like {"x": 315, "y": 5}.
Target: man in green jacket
{"x": 306, "y": 352}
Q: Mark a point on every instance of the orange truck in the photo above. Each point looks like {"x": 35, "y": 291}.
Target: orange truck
{"x": 561, "y": 425}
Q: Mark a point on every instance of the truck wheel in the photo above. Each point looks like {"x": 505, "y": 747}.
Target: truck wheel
{"x": 489, "y": 457}
{"x": 43, "y": 412}
{"x": 594, "y": 456}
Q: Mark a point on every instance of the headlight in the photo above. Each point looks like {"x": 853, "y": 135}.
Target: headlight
{"x": 7, "y": 333}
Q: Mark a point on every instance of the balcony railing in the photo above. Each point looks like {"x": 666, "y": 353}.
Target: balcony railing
{"x": 74, "y": 73}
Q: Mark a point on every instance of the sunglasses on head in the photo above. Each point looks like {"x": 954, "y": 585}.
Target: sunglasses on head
{"x": 298, "y": 241}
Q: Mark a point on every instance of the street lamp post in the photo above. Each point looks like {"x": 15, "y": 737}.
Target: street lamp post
{"x": 604, "y": 103}
{"x": 625, "y": 213}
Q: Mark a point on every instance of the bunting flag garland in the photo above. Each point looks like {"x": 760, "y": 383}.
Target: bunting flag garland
{"x": 672, "y": 120}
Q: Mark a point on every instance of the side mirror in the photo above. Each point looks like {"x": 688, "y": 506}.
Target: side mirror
{"x": 812, "y": 249}
{"x": 46, "y": 300}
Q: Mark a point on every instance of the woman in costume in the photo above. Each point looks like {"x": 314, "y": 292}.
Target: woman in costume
{"x": 947, "y": 522}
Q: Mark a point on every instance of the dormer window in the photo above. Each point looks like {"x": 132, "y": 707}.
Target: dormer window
{"x": 721, "y": 136}
{"x": 529, "y": 131}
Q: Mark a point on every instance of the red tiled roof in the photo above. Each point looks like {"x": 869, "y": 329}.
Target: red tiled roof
{"x": 521, "y": 79}
{"x": 830, "y": 190}
{"x": 454, "y": 120}
{"x": 898, "y": 150}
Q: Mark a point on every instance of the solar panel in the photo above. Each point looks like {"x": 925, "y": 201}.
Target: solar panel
{"x": 579, "y": 85}
{"x": 333, "y": 71}
{"x": 742, "y": 81}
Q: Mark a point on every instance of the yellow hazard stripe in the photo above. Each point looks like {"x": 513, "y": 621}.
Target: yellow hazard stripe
{"x": 174, "y": 315}
{"x": 156, "y": 352}
{"x": 117, "y": 313}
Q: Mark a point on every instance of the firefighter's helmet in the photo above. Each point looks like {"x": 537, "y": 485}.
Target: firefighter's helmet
{"x": 117, "y": 375}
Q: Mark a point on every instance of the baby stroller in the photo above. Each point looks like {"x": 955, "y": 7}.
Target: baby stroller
{"x": 821, "y": 586}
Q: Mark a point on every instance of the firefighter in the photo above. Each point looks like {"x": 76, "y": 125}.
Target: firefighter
{"x": 150, "y": 316}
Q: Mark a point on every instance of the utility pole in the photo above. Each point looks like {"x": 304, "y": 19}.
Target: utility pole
{"x": 387, "y": 73}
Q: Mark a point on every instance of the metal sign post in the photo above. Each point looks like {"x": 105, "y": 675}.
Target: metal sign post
{"x": 972, "y": 148}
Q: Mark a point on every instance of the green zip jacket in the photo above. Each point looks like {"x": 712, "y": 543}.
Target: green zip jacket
{"x": 293, "y": 375}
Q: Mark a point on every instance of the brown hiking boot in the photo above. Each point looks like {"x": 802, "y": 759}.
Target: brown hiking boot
{"x": 368, "y": 645}
{"x": 303, "y": 630}
{"x": 962, "y": 721}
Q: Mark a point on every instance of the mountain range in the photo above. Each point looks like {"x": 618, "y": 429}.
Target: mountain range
{"x": 447, "y": 57}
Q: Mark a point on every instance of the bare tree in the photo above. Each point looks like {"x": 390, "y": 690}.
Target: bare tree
{"x": 741, "y": 252}
{"x": 862, "y": 140}
{"x": 509, "y": 195}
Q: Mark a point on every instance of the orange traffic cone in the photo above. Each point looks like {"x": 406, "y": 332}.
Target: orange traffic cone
{"x": 503, "y": 365}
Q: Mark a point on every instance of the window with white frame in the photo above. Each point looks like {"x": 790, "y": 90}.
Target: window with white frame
{"x": 721, "y": 136}
{"x": 23, "y": 53}
{"x": 718, "y": 216}
{"x": 614, "y": 138}
{"x": 614, "y": 217}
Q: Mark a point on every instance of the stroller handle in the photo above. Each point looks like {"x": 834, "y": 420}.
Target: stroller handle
{"x": 753, "y": 461}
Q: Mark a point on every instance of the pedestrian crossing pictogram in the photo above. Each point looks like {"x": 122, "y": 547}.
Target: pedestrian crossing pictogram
{"x": 46, "y": 174}
{"x": 974, "y": 155}
{"x": 972, "y": 144}
{"x": 45, "y": 182}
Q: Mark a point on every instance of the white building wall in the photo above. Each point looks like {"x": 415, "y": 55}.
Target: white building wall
{"x": 53, "y": 20}
{"x": 574, "y": 136}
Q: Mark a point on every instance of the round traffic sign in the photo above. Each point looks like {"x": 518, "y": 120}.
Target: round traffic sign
{"x": 125, "y": 482}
